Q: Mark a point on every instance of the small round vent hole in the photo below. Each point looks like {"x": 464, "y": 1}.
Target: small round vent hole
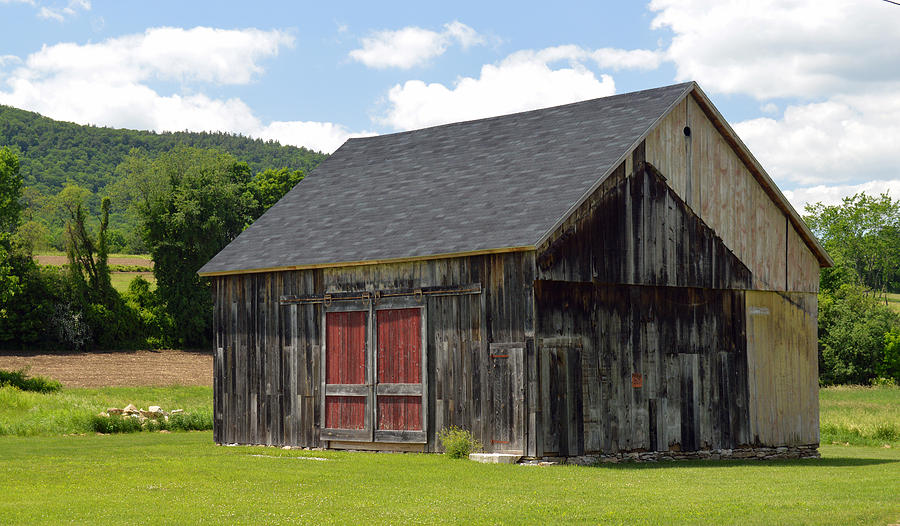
{"x": 687, "y": 131}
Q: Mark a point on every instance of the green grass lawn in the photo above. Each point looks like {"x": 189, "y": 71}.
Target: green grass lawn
{"x": 183, "y": 478}
{"x": 121, "y": 280}
{"x": 860, "y": 415}
{"x": 70, "y": 410}
{"x": 893, "y": 301}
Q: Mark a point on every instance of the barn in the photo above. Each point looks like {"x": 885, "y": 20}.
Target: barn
{"x": 617, "y": 277}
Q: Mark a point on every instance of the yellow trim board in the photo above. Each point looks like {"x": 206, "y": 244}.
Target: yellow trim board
{"x": 370, "y": 261}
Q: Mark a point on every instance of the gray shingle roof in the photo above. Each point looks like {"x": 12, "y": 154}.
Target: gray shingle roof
{"x": 487, "y": 184}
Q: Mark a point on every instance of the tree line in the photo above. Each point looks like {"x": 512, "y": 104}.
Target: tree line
{"x": 186, "y": 204}
{"x": 859, "y": 333}
{"x": 61, "y": 162}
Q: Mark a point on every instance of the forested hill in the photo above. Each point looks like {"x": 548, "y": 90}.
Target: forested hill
{"x": 52, "y": 153}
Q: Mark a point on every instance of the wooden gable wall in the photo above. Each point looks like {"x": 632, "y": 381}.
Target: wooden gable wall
{"x": 714, "y": 181}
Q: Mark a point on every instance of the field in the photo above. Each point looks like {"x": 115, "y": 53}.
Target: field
{"x": 893, "y": 301}
{"x": 120, "y": 279}
{"x": 860, "y": 415}
{"x": 148, "y": 478}
{"x": 182, "y": 477}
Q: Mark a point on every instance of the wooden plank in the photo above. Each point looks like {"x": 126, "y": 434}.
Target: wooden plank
{"x": 416, "y": 437}
{"x": 378, "y": 446}
{"x": 399, "y": 389}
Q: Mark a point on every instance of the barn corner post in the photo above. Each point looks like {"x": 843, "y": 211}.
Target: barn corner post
{"x": 654, "y": 299}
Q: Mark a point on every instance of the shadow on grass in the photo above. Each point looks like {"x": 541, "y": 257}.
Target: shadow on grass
{"x": 832, "y": 462}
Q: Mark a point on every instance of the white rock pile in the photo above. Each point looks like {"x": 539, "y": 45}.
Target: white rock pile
{"x": 154, "y": 412}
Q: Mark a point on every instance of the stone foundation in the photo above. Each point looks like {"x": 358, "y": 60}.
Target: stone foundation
{"x": 748, "y": 453}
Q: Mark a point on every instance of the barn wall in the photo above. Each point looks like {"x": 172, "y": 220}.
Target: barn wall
{"x": 783, "y": 368}
{"x": 637, "y": 230}
{"x": 267, "y": 387}
{"x": 631, "y": 367}
{"x": 713, "y": 180}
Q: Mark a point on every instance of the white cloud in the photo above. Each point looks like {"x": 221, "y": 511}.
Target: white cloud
{"x": 845, "y": 139}
{"x": 616, "y": 59}
{"x": 833, "y": 195}
{"x": 107, "y": 83}
{"x": 776, "y": 48}
{"x": 522, "y": 81}
{"x": 60, "y": 13}
{"x": 320, "y": 136}
{"x": 412, "y": 46}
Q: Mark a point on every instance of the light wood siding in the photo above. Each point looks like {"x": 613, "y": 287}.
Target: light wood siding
{"x": 782, "y": 368}
{"x": 713, "y": 180}
{"x": 268, "y": 372}
{"x": 803, "y": 267}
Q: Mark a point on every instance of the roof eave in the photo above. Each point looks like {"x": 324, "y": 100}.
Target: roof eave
{"x": 761, "y": 176}
{"x": 504, "y": 250}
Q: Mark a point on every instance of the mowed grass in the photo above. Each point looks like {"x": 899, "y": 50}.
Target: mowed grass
{"x": 69, "y": 411}
{"x": 860, "y": 415}
{"x": 893, "y": 301}
{"x": 182, "y": 478}
{"x": 121, "y": 280}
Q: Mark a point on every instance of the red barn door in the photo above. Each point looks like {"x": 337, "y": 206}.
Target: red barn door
{"x": 399, "y": 392}
{"x": 347, "y": 392}
{"x": 374, "y": 392}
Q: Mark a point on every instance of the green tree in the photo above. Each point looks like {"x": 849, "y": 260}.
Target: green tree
{"x": 191, "y": 203}
{"x": 270, "y": 185}
{"x": 852, "y": 329}
{"x": 10, "y": 208}
{"x": 863, "y": 237}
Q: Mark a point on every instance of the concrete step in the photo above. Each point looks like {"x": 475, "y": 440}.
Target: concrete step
{"x": 495, "y": 458}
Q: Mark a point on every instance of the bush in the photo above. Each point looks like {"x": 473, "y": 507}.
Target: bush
{"x": 852, "y": 328}
{"x": 115, "y": 424}
{"x": 20, "y": 380}
{"x": 197, "y": 421}
{"x": 890, "y": 363}
{"x": 458, "y": 443}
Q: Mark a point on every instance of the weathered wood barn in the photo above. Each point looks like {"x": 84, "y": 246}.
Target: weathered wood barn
{"x": 615, "y": 275}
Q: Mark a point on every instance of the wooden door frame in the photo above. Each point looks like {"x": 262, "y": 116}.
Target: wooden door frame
{"x": 370, "y": 433}
{"x": 415, "y": 437}
{"x": 348, "y": 435}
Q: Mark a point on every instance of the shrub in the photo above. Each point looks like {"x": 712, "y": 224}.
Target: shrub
{"x": 20, "y": 380}
{"x": 890, "y": 363}
{"x": 852, "y": 328}
{"x": 197, "y": 421}
{"x": 115, "y": 424}
{"x": 458, "y": 443}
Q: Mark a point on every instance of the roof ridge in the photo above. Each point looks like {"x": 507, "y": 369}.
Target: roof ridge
{"x": 520, "y": 113}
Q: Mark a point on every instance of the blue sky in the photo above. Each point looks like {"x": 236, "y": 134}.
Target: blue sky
{"x": 810, "y": 85}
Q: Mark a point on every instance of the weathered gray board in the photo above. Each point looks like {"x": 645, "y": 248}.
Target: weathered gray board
{"x": 268, "y": 358}
{"x": 630, "y": 367}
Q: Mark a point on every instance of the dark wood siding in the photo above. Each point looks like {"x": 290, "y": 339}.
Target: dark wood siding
{"x": 631, "y": 367}
{"x": 268, "y": 371}
{"x": 637, "y": 230}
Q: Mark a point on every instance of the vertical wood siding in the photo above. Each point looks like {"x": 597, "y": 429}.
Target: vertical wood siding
{"x": 346, "y": 343}
{"x": 714, "y": 182}
{"x": 630, "y": 367}
{"x": 783, "y": 368}
{"x": 637, "y": 230}
{"x": 267, "y": 387}
{"x": 399, "y": 362}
